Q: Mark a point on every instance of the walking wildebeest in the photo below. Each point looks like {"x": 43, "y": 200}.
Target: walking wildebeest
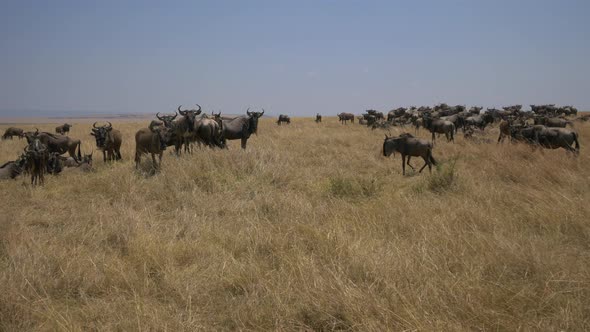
{"x": 547, "y": 137}
{"x": 13, "y": 131}
{"x": 108, "y": 140}
{"x": 242, "y": 127}
{"x": 151, "y": 140}
{"x": 408, "y": 145}
{"x": 318, "y": 118}
{"x": 480, "y": 121}
{"x": 60, "y": 144}
{"x": 63, "y": 129}
{"x": 439, "y": 126}
{"x": 283, "y": 118}
{"x": 552, "y": 122}
{"x": 343, "y": 117}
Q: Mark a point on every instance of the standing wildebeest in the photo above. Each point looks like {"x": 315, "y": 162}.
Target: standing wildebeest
{"x": 552, "y": 122}
{"x": 108, "y": 140}
{"x": 343, "y": 117}
{"x": 242, "y": 127}
{"x": 60, "y": 144}
{"x": 13, "y": 131}
{"x": 318, "y": 118}
{"x": 549, "y": 138}
{"x": 184, "y": 129}
{"x": 457, "y": 119}
{"x": 439, "y": 126}
{"x": 36, "y": 154}
{"x": 408, "y": 145}
{"x": 208, "y": 130}
{"x": 283, "y": 118}
{"x": 63, "y": 129}
{"x": 151, "y": 140}
{"x": 480, "y": 121}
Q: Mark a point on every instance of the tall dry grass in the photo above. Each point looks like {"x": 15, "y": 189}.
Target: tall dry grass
{"x": 309, "y": 228}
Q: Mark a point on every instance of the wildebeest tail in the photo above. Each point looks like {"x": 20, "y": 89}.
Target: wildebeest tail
{"x": 79, "y": 152}
{"x": 431, "y": 158}
{"x": 577, "y": 146}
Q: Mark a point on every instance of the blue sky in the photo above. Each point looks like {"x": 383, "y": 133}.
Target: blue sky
{"x": 293, "y": 57}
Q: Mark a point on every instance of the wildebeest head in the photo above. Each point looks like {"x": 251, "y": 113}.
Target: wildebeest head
{"x": 101, "y": 133}
{"x": 253, "y": 120}
{"x": 390, "y": 145}
{"x": 167, "y": 119}
{"x": 54, "y": 163}
{"x": 190, "y": 116}
{"x": 163, "y": 133}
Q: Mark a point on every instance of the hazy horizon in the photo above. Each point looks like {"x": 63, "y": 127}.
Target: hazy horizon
{"x": 295, "y": 58}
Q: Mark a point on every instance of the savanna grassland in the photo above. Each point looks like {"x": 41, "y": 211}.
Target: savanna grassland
{"x": 310, "y": 228}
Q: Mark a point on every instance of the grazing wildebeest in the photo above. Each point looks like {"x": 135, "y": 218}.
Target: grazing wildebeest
{"x": 242, "y": 127}
{"x": 552, "y": 122}
{"x": 547, "y": 137}
{"x": 12, "y": 169}
{"x": 151, "y": 140}
{"x": 36, "y": 154}
{"x": 13, "y": 131}
{"x": 63, "y": 129}
{"x": 439, "y": 126}
{"x": 318, "y": 118}
{"x": 283, "y": 118}
{"x": 60, "y": 144}
{"x": 108, "y": 140}
{"x": 408, "y": 145}
{"x": 343, "y": 117}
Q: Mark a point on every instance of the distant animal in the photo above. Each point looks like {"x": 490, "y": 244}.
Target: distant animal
{"x": 108, "y": 140}
{"x": 552, "y": 122}
{"x": 60, "y": 144}
{"x": 242, "y": 127}
{"x": 439, "y": 126}
{"x": 408, "y": 145}
{"x": 343, "y": 117}
{"x": 504, "y": 130}
{"x": 13, "y": 131}
{"x": 152, "y": 140}
{"x": 479, "y": 121}
{"x": 547, "y": 137}
{"x": 318, "y": 118}
{"x": 63, "y": 129}
{"x": 283, "y": 118}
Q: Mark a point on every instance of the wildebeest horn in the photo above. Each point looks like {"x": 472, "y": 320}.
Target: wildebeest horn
{"x": 180, "y": 111}
{"x": 37, "y": 131}
{"x": 94, "y": 125}
{"x": 248, "y": 111}
{"x": 175, "y": 115}
{"x": 199, "y": 110}
{"x": 158, "y": 116}
{"x": 110, "y": 125}
{"x": 261, "y": 114}
{"x": 386, "y": 137}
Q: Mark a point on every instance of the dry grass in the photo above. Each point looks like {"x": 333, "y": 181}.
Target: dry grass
{"x": 310, "y": 228}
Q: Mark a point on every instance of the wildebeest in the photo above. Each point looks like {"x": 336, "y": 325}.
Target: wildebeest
{"x": 183, "y": 128}
{"x": 283, "y": 118}
{"x": 108, "y": 140}
{"x": 546, "y": 137}
{"x": 63, "y": 129}
{"x": 12, "y": 169}
{"x": 457, "y": 119}
{"x": 60, "y": 144}
{"x": 151, "y": 140}
{"x": 318, "y": 118}
{"x": 242, "y": 127}
{"x": 13, "y": 131}
{"x": 408, "y": 145}
{"x": 36, "y": 154}
{"x": 343, "y": 117}
{"x": 85, "y": 165}
{"x": 54, "y": 163}
{"x": 209, "y": 130}
{"x": 480, "y": 121}
{"x": 552, "y": 122}
{"x": 439, "y": 126}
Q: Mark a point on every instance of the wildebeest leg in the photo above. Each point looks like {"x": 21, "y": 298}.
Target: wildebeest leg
{"x": 403, "y": 164}
{"x": 244, "y": 141}
{"x": 426, "y": 162}
{"x": 433, "y": 138}
{"x": 154, "y": 161}
{"x": 137, "y": 159}
{"x": 410, "y": 157}
{"x": 104, "y": 156}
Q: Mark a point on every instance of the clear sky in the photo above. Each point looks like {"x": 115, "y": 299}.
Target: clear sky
{"x": 293, "y": 57}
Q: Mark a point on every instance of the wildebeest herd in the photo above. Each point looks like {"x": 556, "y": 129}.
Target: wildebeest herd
{"x": 543, "y": 126}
